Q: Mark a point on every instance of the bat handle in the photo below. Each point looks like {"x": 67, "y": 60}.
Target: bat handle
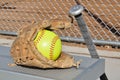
{"x": 76, "y": 11}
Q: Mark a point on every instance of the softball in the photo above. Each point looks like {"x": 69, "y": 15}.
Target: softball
{"x": 48, "y": 44}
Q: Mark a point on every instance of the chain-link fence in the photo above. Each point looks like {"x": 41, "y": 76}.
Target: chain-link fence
{"x": 101, "y": 16}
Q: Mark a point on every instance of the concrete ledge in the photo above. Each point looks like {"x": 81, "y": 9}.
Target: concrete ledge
{"x": 6, "y": 42}
{"x": 72, "y": 49}
{"x": 84, "y": 51}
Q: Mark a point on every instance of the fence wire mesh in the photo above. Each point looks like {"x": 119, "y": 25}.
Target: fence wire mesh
{"x": 101, "y": 16}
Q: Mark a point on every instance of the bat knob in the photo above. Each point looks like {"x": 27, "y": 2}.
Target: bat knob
{"x": 76, "y": 10}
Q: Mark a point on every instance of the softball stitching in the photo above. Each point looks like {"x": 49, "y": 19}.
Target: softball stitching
{"x": 39, "y": 37}
{"x": 52, "y": 46}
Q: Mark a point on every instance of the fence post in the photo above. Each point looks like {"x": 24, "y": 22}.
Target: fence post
{"x": 77, "y": 12}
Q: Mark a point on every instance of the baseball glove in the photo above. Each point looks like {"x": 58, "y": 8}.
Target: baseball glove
{"x": 24, "y": 52}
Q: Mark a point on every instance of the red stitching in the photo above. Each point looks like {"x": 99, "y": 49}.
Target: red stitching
{"x": 52, "y": 46}
{"x": 39, "y": 37}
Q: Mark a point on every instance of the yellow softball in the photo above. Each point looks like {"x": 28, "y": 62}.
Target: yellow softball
{"x": 48, "y": 44}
